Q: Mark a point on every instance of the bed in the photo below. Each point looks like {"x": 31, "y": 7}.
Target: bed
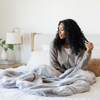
{"x": 39, "y": 49}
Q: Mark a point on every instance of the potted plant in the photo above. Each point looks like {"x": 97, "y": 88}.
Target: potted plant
{"x": 4, "y": 55}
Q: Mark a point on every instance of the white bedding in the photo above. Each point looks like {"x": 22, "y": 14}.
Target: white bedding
{"x": 16, "y": 94}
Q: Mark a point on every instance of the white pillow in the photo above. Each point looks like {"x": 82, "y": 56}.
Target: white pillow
{"x": 96, "y": 52}
{"x": 97, "y": 48}
{"x": 45, "y": 47}
{"x": 38, "y": 58}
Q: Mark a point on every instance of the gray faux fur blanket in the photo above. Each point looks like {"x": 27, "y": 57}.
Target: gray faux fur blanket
{"x": 47, "y": 81}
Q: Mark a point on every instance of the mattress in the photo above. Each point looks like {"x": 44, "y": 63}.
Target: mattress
{"x": 16, "y": 94}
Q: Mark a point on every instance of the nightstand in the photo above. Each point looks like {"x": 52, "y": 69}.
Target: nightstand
{"x": 15, "y": 65}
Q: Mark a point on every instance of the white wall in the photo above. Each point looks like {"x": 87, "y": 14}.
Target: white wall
{"x": 42, "y": 16}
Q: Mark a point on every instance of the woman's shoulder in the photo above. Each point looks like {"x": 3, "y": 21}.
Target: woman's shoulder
{"x": 82, "y": 51}
{"x": 52, "y": 48}
{"x": 51, "y": 44}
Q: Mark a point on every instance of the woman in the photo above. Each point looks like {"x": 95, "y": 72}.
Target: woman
{"x": 70, "y": 48}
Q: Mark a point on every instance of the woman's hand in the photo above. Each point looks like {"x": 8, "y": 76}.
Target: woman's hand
{"x": 89, "y": 46}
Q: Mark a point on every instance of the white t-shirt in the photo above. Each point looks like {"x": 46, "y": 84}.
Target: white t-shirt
{"x": 67, "y": 50}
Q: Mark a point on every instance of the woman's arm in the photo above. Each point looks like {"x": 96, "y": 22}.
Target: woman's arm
{"x": 83, "y": 60}
{"x": 84, "y": 57}
{"x": 53, "y": 58}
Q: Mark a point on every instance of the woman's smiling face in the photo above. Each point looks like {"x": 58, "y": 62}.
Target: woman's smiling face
{"x": 61, "y": 31}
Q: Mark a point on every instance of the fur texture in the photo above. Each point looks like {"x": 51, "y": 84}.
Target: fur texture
{"x": 94, "y": 66}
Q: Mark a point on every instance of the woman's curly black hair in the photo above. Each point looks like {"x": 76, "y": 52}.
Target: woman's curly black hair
{"x": 73, "y": 35}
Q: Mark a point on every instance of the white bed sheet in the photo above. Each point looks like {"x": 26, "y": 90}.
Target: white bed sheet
{"x": 16, "y": 94}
